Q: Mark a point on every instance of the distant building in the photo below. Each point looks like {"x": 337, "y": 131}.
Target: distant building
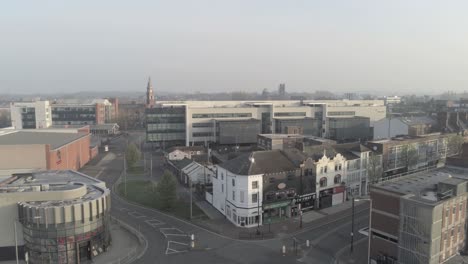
{"x": 282, "y": 90}
{"x": 287, "y": 141}
{"x": 183, "y": 152}
{"x": 390, "y": 100}
{"x": 149, "y": 94}
{"x": 97, "y": 111}
{"x": 349, "y": 129}
{"x": 25, "y": 115}
{"x": 402, "y": 126}
{"x": 201, "y": 122}
{"x": 58, "y": 216}
{"x": 406, "y": 153}
{"x": 42, "y": 114}
{"x": 45, "y": 150}
{"x": 420, "y": 218}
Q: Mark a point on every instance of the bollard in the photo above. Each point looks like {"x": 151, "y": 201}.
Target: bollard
{"x": 284, "y": 250}
{"x": 307, "y": 243}
{"x": 192, "y": 241}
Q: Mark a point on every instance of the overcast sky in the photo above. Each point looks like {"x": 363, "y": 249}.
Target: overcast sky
{"x": 212, "y": 45}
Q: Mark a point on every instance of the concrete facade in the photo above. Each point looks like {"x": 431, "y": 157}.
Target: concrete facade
{"x": 69, "y": 208}
{"x": 199, "y": 116}
{"x": 31, "y": 114}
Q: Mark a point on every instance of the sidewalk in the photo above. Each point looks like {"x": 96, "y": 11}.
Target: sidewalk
{"x": 359, "y": 255}
{"x": 123, "y": 245}
{"x": 283, "y": 228}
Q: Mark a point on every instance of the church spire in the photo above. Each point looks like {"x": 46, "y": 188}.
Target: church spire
{"x": 149, "y": 94}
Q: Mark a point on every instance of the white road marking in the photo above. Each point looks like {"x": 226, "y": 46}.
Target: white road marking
{"x": 154, "y": 222}
{"x": 170, "y": 250}
{"x": 136, "y": 214}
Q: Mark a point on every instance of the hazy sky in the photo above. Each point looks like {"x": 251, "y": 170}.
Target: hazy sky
{"x": 213, "y": 45}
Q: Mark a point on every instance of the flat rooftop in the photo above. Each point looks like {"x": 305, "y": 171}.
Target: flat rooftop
{"x": 423, "y": 184}
{"x": 55, "y": 140}
{"x": 54, "y": 181}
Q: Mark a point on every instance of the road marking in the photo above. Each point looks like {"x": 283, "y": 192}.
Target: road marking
{"x": 136, "y": 214}
{"x": 170, "y": 250}
{"x": 175, "y": 232}
{"x": 154, "y": 222}
{"x": 99, "y": 173}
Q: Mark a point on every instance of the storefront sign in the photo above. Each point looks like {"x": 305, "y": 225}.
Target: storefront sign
{"x": 304, "y": 198}
{"x": 276, "y": 205}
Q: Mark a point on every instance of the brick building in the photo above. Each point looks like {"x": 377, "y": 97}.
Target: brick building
{"x": 419, "y": 218}
{"x": 44, "y": 150}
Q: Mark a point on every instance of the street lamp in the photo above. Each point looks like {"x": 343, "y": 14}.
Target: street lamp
{"x": 370, "y": 225}
{"x": 16, "y": 236}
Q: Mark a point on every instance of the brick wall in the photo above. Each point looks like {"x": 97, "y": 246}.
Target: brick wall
{"x": 72, "y": 156}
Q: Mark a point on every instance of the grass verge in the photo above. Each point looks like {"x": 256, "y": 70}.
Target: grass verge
{"x": 144, "y": 193}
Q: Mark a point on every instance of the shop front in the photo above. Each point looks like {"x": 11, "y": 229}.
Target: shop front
{"x": 277, "y": 210}
{"x": 303, "y": 203}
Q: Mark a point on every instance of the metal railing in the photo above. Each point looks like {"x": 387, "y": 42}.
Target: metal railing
{"x": 134, "y": 253}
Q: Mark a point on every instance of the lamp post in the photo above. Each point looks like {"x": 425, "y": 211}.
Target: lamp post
{"x": 352, "y": 226}
{"x": 16, "y": 236}
{"x": 370, "y": 226}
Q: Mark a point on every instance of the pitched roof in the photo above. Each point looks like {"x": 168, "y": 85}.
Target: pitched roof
{"x": 180, "y": 164}
{"x": 55, "y": 140}
{"x": 259, "y": 162}
{"x": 187, "y": 148}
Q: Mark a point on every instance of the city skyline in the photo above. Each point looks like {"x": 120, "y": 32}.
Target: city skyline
{"x": 207, "y": 46}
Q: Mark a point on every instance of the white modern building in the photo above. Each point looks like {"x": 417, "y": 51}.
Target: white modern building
{"x": 36, "y": 114}
{"x": 238, "y": 122}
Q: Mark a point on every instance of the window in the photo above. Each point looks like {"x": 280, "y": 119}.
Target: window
{"x": 233, "y": 195}
{"x": 241, "y": 196}
{"x": 222, "y": 188}
{"x": 325, "y": 169}
{"x": 202, "y": 134}
{"x": 336, "y": 167}
{"x": 321, "y": 170}
{"x": 341, "y": 113}
{"x": 290, "y": 114}
{"x": 272, "y": 180}
{"x": 290, "y": 177}
{"x": 233, "y": 182}
{"x": 202, "y": 125}
{"x": 323, "y": 182}
{"x": 255, "y": 198}
{"x": 255, "y": 185}
{"x": 222, "y": 176}
{"x": 221, "y": 115}
{"x": 337, "y": 179}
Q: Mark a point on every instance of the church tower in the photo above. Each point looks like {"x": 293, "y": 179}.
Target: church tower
{"x": 149, "y": 94}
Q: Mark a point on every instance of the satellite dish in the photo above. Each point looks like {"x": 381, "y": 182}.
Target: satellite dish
{"x": 281, "y": 186}
{"x": 374, "y": 148}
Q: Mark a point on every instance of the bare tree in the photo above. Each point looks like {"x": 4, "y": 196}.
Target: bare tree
{"x": 374, "y": 167}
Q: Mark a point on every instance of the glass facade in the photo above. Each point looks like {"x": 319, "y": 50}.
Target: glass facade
{"x": 74, "y": 115}
{"x": 28, "y": 117}
{"x": 72, "y": 242}
{"x": 166, "y": 125}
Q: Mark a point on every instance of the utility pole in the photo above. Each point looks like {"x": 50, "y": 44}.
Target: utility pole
{"x": 352, "y": 227}
{"x": 151, "y": 164}
{"x": 125, "y": 174}
{"x": 190, "y": 186}
{"x": 258, "y": 211}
